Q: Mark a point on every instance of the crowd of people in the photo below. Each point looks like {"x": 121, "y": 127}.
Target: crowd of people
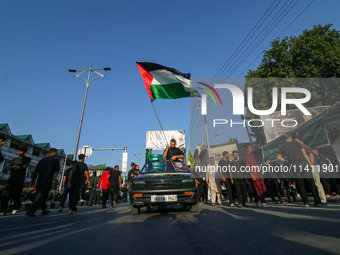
{"x": 253, "y": 187}
{"x": 234, "y": 185}
{"x": 75, "y": 180}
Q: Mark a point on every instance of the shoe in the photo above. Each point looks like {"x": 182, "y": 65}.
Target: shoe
{"x": 30, "y": 214}
{"x": 71, "y": 211}
{"x": 240, "y": 206}
{"x": 232, "y": 205}
{"x": 60, "y": 209}
{"x": 325, "y": 204}
{"x": 256, "y": 204}
{"x": 213, "y": 204}
{"x": 290, "y": 201}
{"x": 90, "y": 205}
{"x": 104, "y": 206}
{"x": 2, "y": 214}
{"x": 244, "y": 205}
{"x": 14, "y": 212}
{"x": 44, "y": 212}
{"x": 275, "y": 202}
{"x": 264, "y": 205}
{"x": 307, "y": 205}
{"x": 319, "y": 205}
{"x": 112, "y": 207}
{"x": 200, "y": 203}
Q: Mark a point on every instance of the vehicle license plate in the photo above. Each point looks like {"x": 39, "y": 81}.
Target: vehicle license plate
{"x": 164, "y": 198}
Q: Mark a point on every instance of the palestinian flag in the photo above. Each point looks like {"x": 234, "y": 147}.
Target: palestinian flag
{"x": 164, "y": 82}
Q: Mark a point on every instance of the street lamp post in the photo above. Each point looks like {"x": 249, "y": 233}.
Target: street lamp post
{"x": 139, "y": 156}
{"x": 209, "y": 137}
{"x": 249, "y": 136}
{"x": 88, "y": 81}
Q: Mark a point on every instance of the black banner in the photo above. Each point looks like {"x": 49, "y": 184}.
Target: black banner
{"x": 313, "y": 134}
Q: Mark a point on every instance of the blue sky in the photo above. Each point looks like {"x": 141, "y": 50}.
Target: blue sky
{"x": 41, "y": 40}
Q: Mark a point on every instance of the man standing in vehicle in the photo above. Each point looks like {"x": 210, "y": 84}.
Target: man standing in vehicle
{"x": 172, "y": 152}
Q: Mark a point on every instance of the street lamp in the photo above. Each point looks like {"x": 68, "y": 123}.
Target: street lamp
{"x": 88, "y": 81}
{"x": 139, "y": 156}
{"x": 209, "y": 137}
{"x": 249, "y": 136}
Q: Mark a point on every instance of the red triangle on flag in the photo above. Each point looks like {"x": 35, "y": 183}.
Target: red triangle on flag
{"x": 147, "y": 79}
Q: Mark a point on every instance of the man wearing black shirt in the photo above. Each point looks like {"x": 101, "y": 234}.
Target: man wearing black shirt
{"x": 172, "y": 152}
{"x": 15, "y": 182}
{"x": 76, "y": 181}
{"x": 271, "y": 184}
{"x": 131, "y": 175}
{"x": 237, "y": 179}
{"x": 66, "y": 190}
{"x": 45, "y": 170}
{"x": 224, "y": 164}
{"x": 115, "y": 185}
{"x": 299, "y": 160}
{"x": 2, "y": 141}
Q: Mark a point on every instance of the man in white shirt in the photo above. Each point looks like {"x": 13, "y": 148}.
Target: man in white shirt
{"x": 213, "y": 182}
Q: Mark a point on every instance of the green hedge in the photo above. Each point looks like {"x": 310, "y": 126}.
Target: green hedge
{"x": 53, "y": 196}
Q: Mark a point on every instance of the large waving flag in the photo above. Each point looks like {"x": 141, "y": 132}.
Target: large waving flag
{"x": 164, "y": 82}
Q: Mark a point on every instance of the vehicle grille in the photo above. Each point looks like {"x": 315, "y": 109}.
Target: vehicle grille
{"x": 163, "y": 183}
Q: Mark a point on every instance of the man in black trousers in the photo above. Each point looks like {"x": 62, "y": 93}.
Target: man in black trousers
{"x": 237, "y": 179}
{"x": 15, "y": 182}
{"x": 298, "y": 159}
{"x": 45, "y": 171}
{"x": 115, "y": 185}
{"x": 76, "y": 181}
{"x": 224, "y": 163}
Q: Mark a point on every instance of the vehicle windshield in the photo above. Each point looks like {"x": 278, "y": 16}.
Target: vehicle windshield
{"x": 163, "y": 166}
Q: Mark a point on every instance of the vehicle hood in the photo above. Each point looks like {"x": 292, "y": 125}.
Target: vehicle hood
{"x": 165, "y": 180}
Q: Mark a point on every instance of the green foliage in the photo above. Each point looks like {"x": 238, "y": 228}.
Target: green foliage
{"x": 54, "y": 196}
{"x": 313, "y": 54}
{"x": 26, "y": 194}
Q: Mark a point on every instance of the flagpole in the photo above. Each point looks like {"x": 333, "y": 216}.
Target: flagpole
{"x": 160, "y": 125}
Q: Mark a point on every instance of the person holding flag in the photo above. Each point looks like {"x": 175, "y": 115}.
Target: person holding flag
{"x": 172, "y": 153}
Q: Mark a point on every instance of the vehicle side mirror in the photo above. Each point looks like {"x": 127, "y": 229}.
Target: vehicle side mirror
{"x": 135, "y": 172}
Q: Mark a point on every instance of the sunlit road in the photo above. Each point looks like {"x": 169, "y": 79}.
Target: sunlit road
{"x": 289, "y": 229}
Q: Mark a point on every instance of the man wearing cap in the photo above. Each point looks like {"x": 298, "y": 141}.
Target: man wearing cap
{"x": 2, "y": 141}
{"x": 130, "y": 174}
{"x": 15, "y": 182}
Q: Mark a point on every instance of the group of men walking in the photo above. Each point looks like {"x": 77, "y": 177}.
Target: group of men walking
{"x": 74, "y": 180}
{"x": 294, "y": 154}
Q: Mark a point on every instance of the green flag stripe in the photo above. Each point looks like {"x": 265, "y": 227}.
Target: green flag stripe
{"x": 169, "y": 91}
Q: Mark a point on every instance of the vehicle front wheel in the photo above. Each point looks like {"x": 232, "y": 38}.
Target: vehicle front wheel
{"x": 194, "y": 208}
{"x": 135, "y": 210}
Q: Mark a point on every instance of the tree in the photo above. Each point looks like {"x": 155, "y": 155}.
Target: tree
{"x": 313, "y": 54}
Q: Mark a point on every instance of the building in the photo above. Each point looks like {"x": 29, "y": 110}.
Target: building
{"x": 100, "y": 169}
{"x": 36, "y": 151}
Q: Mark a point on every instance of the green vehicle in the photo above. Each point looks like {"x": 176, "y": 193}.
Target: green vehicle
{"x": 162, "y": 183}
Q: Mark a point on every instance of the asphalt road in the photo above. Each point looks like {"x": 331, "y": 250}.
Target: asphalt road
{"x": 290, "y": 229}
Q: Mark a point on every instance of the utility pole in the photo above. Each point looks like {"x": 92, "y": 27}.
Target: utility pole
{"x": 139, "y": 156}
{"x": 249, "y": 136}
